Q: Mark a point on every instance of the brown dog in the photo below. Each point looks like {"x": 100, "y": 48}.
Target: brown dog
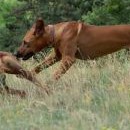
{"x": 72, "y": 40}
{"x": 9, "y": 64}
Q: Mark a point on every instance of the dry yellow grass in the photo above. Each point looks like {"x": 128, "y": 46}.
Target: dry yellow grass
{"x": 92, "y": 95}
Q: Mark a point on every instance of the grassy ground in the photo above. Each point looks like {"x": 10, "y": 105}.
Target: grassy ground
{"x": 92, "y": 95}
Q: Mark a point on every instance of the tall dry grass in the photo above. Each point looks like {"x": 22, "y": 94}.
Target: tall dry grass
{"x": 92, "y": 95}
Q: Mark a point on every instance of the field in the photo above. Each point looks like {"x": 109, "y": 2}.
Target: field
{"x": 92, "y": 95}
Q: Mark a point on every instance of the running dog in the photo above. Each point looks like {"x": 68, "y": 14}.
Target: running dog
{"x": 72, "y": 40}
{"x": 9, "y": 64}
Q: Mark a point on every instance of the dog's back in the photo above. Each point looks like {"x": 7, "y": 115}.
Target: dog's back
{"x": 96, "y": 41}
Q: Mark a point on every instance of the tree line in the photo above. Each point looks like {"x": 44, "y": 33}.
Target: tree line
{"x": 18, "y": 15}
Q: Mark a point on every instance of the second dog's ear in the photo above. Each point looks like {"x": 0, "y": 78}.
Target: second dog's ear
{"x": 39, "y": 27}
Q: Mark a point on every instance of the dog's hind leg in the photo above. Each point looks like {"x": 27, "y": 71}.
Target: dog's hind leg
{"x": 12, "y": 66}
{"x": 12, "y": 91}
{"x": 5, "y": 89}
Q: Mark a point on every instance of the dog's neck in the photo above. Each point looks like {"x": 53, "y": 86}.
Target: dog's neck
{"x": 55, "y": 33}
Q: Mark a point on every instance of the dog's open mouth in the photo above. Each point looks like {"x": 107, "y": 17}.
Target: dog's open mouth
{"x": 26, "y": 57}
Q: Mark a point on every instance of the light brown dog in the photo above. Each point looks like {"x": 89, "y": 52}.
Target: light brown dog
{"x": 72, "y": 40}
{"x": 10, "y": 65}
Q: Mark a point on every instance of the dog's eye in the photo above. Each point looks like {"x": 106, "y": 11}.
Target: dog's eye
{"x": 34, "y": 33}
{"x": 24, "y": 42}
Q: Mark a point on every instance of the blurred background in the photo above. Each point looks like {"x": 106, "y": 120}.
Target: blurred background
{"x": 16, "y": 16}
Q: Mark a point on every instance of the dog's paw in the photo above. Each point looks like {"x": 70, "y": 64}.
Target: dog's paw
{"x": 57, "y": 75}
{"x": 19, "y": 76}
{"x": 36, "y": 70}
{"x": 33, "y": 72}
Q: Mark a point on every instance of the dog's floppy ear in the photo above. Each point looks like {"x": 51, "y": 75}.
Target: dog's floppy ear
{"x": 39, "y": 27}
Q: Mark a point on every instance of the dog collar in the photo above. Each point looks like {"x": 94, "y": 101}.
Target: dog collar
{"x": 52, "y": 34}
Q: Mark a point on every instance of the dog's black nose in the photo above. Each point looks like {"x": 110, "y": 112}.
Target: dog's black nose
{"x": 17, "y": 54}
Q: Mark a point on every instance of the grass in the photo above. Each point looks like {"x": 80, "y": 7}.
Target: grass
{"x": 92, "y": 95}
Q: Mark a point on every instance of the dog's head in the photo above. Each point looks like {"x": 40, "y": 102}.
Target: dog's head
{"x": 34, "y": 41}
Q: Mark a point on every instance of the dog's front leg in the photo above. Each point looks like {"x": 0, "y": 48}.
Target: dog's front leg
{"x": 68, "y": 57}
{"x": 50, "y": 60}
{"x": 66, "y": 63}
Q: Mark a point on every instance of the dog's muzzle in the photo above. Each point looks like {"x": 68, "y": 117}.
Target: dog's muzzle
{"x": 26, "y": 57}
{"x": 17, "y": 55}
